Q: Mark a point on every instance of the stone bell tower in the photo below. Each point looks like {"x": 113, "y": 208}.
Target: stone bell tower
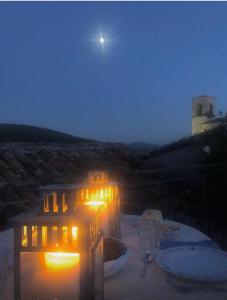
{"x": 203, "y": 110}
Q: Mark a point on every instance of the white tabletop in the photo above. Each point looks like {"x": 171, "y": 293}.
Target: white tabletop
{"x": 128, "y": 283}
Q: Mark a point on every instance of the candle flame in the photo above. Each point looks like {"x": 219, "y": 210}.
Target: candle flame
{"x": 94, "y": 203}
{"x": 61, "y": 260}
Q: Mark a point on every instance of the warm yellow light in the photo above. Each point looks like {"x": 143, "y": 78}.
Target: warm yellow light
{"x": 95, "y": 203}
{"x": 75, "y": 232}
{"x": 74, "y": 236}
{"x": 24, "y": 240}
{"x": 61, "y": 260}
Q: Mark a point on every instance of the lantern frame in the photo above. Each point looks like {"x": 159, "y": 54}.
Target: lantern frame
{"x": 90, "y": 235}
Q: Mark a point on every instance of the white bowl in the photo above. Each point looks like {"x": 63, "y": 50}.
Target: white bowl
{"x": 113, "y": 266}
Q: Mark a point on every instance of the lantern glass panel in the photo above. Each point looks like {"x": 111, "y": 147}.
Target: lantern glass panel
{"x": 74, "y": 236}
{"x": 64, "y": 205}
{"x": 34, "y": 236}
{"x": 24, "y": 236}
{"x": 44, "y": 236}
{"x": 55, "y": 204}
{"x": 54, "y": 235}
{"x": 64, "y": 234}
{"x": 46, "y": 204}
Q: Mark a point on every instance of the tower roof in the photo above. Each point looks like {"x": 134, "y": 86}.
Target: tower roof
{"x": 203, "y": 96}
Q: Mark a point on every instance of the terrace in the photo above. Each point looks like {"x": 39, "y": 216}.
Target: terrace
{"x": 56, "y": 251}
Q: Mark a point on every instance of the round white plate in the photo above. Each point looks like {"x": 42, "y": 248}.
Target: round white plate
{"x": 194, "y": 262}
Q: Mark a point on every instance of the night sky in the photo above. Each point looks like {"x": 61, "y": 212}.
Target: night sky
{"x": 138, "y": 87}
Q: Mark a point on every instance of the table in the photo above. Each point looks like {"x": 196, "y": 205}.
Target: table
{"x": 128, "y": 283}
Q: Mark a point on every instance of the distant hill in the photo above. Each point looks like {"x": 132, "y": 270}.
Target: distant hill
{"x": 186, "y": 157}
{"x": 33, "y": 134}
{"x": 216, "y": 138}
{"x": 138, "y": 146}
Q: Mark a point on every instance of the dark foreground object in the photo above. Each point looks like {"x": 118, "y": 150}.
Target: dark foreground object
{"x": 113, "y": 249}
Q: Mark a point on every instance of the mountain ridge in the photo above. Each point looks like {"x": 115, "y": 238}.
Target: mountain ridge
{"x": 10, "y": 132}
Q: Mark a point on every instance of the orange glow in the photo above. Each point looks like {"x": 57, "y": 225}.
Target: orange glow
{"x": 24, "y": 236}
{"x": 95, "y": 203}
{"x": 55, "y": 203}
{"x": 96, "y": 196}
{"x": 44, "y": 236}
{"x": 75, "y": 232}
{"x": 46, "y": 204}
{"x": 61, "y": 260}
{"x": 74, "y": 235}
{"x": 64, "y": 205}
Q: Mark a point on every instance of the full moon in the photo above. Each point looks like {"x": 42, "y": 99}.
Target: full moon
{"x": 101, "y": 40}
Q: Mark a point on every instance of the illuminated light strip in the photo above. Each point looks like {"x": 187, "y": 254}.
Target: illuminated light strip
{"x": 34, "y": 235}
{"x": 95, "y": 203}
{"x": 61, "y": 260}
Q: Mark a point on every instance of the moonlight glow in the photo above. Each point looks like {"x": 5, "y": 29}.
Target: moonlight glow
{"x": 101, "y": 40}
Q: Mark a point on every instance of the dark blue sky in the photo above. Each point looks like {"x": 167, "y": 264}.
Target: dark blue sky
{"x": 139, "y": 88}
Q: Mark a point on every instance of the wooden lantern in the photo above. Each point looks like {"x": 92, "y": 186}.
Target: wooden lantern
{"x": 68, "y": 228}
{"x": 72, "y": 238}
{"x": 96, "y": 192}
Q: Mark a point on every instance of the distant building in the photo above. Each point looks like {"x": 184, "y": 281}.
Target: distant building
{"x": 203, "y": 114}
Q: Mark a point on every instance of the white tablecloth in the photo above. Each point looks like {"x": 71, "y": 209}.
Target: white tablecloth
{"x": 128, "y": 283}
